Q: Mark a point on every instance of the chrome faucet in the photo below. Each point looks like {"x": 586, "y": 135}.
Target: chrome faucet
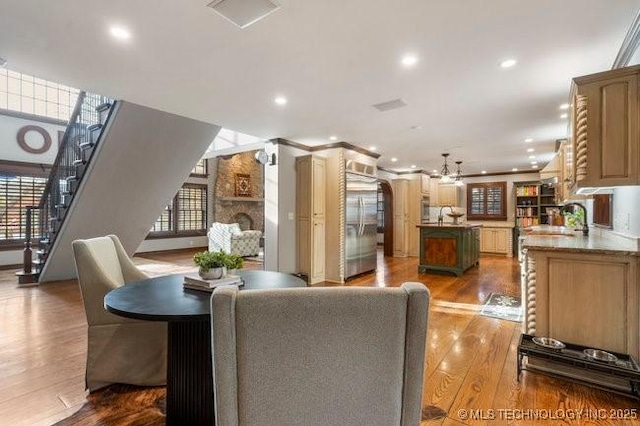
{"x": 440, "y": 218}
{"x": 585, "y": 228}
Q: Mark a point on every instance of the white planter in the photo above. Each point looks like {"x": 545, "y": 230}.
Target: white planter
{"x": 231, "y": 272}
{"x": 212, "y": 273}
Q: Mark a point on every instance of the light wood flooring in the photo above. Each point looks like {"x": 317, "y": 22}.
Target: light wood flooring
{"x": 471, "y": 362}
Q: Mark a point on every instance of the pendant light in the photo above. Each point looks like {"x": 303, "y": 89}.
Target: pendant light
{"x": 444, "y": 173}
{"x": 458, "y": 181}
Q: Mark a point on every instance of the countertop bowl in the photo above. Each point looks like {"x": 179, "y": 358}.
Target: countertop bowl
{"x": 455, "y": 214}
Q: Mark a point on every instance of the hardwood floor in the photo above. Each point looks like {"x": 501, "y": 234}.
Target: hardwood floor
{"x": 470, "y": 365}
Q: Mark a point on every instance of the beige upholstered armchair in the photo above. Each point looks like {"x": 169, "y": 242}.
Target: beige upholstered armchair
{"x": 120, "y": 350}
{"x": 330, "y": 356}
{"x": 231, "y": 239}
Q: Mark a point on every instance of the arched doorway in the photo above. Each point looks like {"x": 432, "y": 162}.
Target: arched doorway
{"x": 385, "y": 216}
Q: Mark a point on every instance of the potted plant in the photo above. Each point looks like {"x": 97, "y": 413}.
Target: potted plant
{"x": 212, "y": 264}
{"x": 233, "y": 263}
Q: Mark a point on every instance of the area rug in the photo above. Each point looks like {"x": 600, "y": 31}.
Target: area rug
{"x": 502, "y": 306}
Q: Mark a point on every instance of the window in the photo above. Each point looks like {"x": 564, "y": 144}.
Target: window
{"x": 487, "y": 201}
{"x": 200, "y": 168}
{"x": 31, "y": 95}
{"x": 16, "y": 194}
{"x": 185, "y": 215}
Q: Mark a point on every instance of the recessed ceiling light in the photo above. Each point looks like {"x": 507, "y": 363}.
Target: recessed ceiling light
{"x": 515, "y": 169}
{"x": 413, "y": 166}
{"x": 534, "y": 162}
{"x": 564, "y": 106}
{"x": 484, "y": 172}
{"x": 409, "y": 60}
{"x": 535, "y": 166}
{"x": 565, "y": 115}
{"x": 280, "y": 100}
{"x": 527, "y": 140}
{"x": 394, "y": 159}
{"x": 333, "y": 138}
{"x": 120, "y": 33}
{"x": 372, "y": 148}
{"x": 531, "y": 157}
{"x": 434, "y": 171}
{"x": 416, "y": 127}
{"x": 508, "y": 63}
{"x": 530, "y": 150}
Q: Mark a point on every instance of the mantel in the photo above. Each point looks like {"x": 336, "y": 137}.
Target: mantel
{"x": 247, "y": 199}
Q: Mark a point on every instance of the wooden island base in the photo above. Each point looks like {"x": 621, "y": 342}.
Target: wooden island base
{"x": 449, "y": 248}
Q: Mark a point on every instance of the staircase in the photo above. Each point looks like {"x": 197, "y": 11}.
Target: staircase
{"x": 75, "y": 152}
{"x": 118, "y": 166}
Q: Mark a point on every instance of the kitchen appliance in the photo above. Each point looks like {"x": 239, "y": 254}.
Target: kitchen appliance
{"x": 424, "y": 210}
{"x": 361, "y": 224}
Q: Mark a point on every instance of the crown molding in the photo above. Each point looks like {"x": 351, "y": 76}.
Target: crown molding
{"x": 629, "y": 44}
{"x": 345, "y": 145}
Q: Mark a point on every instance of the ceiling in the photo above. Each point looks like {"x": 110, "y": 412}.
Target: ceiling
{"x": 334, "y": 59}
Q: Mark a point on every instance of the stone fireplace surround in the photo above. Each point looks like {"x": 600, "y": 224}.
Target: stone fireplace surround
{"x": 227, "y": 206}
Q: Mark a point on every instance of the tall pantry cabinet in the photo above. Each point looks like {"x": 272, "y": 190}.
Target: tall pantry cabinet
{"x": 311, "y": 216}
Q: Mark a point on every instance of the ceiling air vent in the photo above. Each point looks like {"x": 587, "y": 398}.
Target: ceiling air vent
{"x": 243, "y": 12}
{"x": 389, "y": 105}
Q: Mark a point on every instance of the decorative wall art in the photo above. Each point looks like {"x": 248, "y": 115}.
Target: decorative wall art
{"x": 243, "y": 185}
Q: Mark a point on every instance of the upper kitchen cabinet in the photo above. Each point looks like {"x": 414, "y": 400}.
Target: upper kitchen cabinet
{"x": 447, "y": 194}
{"x": 425, "y": 182}
{"x": 605, "y": 136}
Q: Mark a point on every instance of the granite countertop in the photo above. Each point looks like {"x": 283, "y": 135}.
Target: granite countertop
{"x": 492, "y": 224}
{"x": 575, "y": 242}
{"x": 448, "y": 225}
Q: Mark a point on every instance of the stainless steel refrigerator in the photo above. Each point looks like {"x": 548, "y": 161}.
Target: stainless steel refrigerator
{"x": 361, "y": 224}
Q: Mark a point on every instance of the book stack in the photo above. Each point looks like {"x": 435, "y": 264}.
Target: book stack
{"x": 195, "y": 282}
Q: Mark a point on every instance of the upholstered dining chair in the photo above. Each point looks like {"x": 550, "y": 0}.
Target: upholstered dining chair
{"x": 330, "y": 356}
{"x": 119, "y": 350}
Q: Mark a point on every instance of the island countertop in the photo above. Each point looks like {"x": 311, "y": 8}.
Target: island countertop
{"x": 578, "y": 243}
{"x": 448, "y": 225}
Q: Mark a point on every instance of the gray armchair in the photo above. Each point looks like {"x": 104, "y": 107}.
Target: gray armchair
{"x": 329, "y": 356}
{"x": 119, "y": 350}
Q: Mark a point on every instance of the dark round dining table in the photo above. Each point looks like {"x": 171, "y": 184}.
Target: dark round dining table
{"x": 188, "y": 315}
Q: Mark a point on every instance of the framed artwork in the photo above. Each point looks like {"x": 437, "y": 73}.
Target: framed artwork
{"x": 243, "y": 185}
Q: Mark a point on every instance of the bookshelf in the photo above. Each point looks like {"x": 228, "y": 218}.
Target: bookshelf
{"x": 532, "y": 203}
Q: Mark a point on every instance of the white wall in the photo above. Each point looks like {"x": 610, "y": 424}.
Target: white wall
{"x": 626, "y": 203}
{"x": 11, "y": 151}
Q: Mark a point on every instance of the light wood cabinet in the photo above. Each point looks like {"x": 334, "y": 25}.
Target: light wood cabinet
{"x": 586, "y": 299}
{"x": 447, "y": 194}
{"x": 425, "y": 184}
{"x": 400, "y": 217}
{"x": 311, "y": 216}
{"x": 496, "y": 240}
{"x": 605, "y": 130}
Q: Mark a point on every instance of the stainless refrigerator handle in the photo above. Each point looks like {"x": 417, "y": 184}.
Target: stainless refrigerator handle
{"x": 361, "y": 216}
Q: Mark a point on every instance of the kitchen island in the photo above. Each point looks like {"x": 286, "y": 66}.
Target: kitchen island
{"x": 448, "y": 247}
{"x": 582, "y": 289}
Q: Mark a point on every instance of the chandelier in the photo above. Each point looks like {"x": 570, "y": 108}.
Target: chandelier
{"x": 458, "y": 181}
{"x": 445, "y": 173}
